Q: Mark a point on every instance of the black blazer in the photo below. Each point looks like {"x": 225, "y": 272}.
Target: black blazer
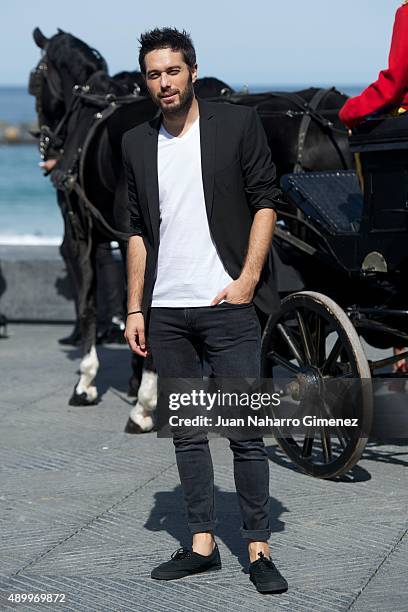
{"x": 239, "y": 178}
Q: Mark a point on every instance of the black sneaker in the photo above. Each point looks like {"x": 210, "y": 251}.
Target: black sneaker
{"x": 266, "y": 576}
{"x": 185, "y": 562}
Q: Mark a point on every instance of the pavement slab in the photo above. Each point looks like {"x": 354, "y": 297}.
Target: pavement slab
{"x": 87, "y": 510}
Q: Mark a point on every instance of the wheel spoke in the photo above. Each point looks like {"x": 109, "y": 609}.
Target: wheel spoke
{"x": 300, "y": 410}
{"x": 342, "y": 436}
{"x": 291, "y": 342}
{"x": 320, "y": 340}
{"x": 326, "y": 443}
{"x": 309, "y": 349}
{"x": 308, "y": 442}
{"x": 332, "y": 357}
{"x": 285, "y": 363}
{"x": 341, "y": 432}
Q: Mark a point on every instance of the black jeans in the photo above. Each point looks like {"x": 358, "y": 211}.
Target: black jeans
{"x": 228, "y": 337}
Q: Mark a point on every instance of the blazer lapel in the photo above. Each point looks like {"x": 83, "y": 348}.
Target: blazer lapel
{"x": 151, "y": 177}
{"x": 208, "y": 134}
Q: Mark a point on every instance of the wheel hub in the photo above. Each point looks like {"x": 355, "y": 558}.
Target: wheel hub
{"x": 306, "y": 384}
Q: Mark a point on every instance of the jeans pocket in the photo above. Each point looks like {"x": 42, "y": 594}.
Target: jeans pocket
{"x": 241, "y": 305}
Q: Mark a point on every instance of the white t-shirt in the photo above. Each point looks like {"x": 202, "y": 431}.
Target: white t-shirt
{"x": 189, "y": 269}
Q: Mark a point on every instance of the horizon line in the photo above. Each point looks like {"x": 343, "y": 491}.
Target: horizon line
{"x": 244, "y": 84}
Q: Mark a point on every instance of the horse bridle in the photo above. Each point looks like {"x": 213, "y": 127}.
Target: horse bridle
{"x": 38, "y": 76}
{"x": 51, "y": 137}
{"x": 36, "y": 84}
{"x": 47, "y": 136}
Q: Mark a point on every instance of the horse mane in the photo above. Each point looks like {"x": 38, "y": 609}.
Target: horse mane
{"x": 74, "y": 56}
{"x": 83, "y": 64}
{"x": 131, "y": 80}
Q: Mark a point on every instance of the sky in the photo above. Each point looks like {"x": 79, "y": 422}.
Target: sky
{"x": 285, "y": 42}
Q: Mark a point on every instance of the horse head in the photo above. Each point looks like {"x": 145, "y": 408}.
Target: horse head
{"x": 210, "y": 87}
{"x": 66, "y": 62}
{"x": 46, "y": 86}
{"x": 132, "y": 82}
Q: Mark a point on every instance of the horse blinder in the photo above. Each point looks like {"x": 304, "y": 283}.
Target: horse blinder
{"x": 36, "y": 77}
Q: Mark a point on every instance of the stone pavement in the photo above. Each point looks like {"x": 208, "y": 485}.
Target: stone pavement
{"x": 87, "y": 510}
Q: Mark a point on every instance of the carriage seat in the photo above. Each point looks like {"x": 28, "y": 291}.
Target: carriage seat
{"x": 332, "y": 199}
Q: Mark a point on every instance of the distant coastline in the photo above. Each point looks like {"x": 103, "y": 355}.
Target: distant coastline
{"x": 15, "y": 134}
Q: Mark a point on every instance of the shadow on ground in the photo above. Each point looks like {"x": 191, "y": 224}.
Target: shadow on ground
{"x": 165, "y": 516}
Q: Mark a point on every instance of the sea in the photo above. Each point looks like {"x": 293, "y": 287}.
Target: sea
{"x": 29, "y": 214}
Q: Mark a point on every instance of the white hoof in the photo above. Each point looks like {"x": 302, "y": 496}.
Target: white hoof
{"x": 147, "y": 395}
{"x": 83, "y": 396}
{"x": 90, "y": 392}
{"x": 88, "y": 368}
{"x": 137, "y": 415}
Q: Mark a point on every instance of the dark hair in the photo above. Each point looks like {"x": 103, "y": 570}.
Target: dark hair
{"x": 163, "y": 38}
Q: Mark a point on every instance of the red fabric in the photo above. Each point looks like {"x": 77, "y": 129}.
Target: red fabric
{"x": 391, "y": 87}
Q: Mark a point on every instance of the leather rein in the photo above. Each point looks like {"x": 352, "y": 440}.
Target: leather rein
{"x": 308, "y": 111}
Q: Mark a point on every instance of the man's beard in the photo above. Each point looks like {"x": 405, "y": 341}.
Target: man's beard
{"x": 186, "y": 98}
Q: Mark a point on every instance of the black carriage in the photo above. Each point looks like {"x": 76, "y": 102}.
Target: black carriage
{"x": 342, "y": 235}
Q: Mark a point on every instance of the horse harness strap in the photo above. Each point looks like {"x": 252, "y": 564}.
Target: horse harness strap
{"x": 77, "y": 183}
{"x": 98, "y": 215}
{"x": 305, "y": 124}
{"x": 79, "y": 92}
{"x": 103, "y": 100}
{"x": 305, "y": 108}
{"x": 50, "y": 137}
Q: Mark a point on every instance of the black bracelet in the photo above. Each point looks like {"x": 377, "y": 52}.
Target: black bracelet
{"x": 135, "y": 312}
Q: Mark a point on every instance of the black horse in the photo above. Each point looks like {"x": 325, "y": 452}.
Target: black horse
{"x": 65, "y": 119}
{"x": 83, "y": 113}
{"x": 303, "y": 128}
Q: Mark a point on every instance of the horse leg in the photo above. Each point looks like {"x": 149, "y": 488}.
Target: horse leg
{"x": 135, "y": 379}
{"x": 110, "y": 295}
{"x": 142, "y": 385}
{"x": 137, "y": 362}
{"x": 68, "y": 252}
{"x": 141, "y": 416}
{"x": 143, "y": 381}
{"x": 85, "y": 393}
{"x": 74, "y": 338}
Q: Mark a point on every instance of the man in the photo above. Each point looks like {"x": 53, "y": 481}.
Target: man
{"x": 202, "y": 194}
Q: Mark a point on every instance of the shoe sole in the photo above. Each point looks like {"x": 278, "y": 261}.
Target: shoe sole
{"x": 269, "y": 588}
{"x": 173, "y": 577}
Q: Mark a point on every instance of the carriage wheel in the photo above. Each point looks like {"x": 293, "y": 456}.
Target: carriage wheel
{"x": 312, "y": 343}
